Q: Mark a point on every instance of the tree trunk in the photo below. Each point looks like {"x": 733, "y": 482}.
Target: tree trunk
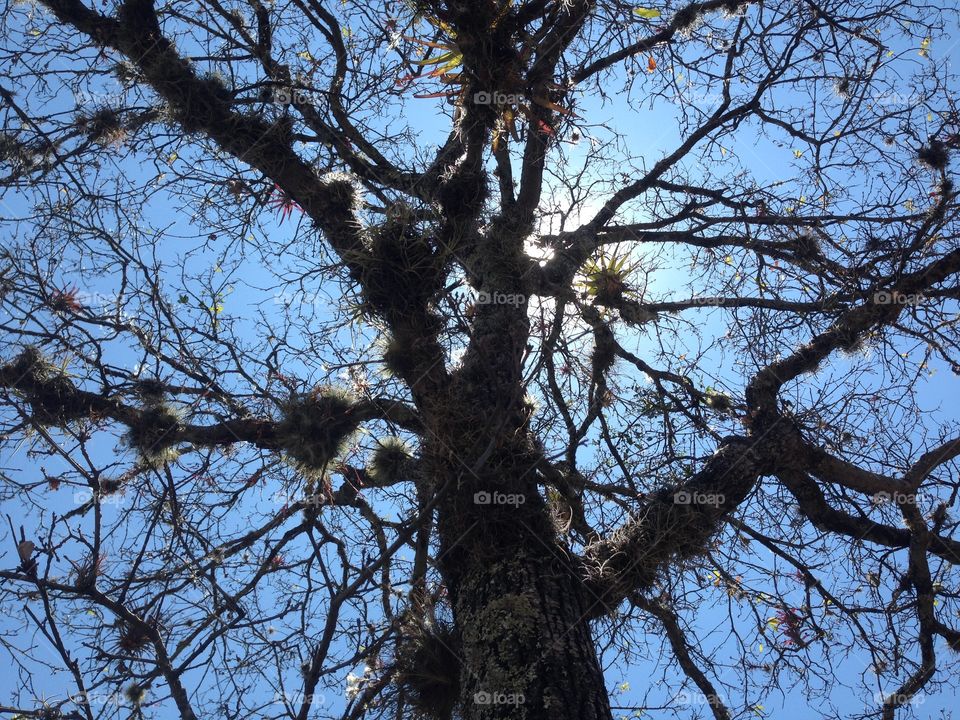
{"x": 521, "y": 610}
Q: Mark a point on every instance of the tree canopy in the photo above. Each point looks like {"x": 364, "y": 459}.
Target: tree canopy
{"x": 478, "y": 359}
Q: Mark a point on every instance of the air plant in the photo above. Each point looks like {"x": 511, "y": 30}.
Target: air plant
{"x": 789, "y": 621}
{"x": 283, "y": 203}
{"x": 66, "y": 300}
{"x": 508, "y": 101}
{"x": 605, "y": 278}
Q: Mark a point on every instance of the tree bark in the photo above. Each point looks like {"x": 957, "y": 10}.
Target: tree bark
{"x": 522, "y": 612}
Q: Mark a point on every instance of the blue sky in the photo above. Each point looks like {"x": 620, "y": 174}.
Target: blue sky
{"x": 245, "y": 285}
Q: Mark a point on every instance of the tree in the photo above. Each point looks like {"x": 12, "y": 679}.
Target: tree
{"x": 483, "y": 416}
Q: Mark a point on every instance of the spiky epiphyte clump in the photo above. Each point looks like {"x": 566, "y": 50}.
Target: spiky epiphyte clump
{"x": 427, "y": 668}
{"x": 154, "y": 434}
{"x": 103, "y": 126}
{"x": 401, "y": 272}
{"x": 316, "y": 426}
{"x": 400, "y": 350}
{"x": 87, "y": 571}
{"x": 687, "y": 19}
{"x": 605, "y": 277}
{"x": 718, "y": 401}
{"x": 53, "y": 398}
{"x": 390, "y": 462}
{"x": 152, "y": 390}
{"x": 851, "y": 343}
{"x": 135, "y": 693}
{"x": 934, "y": 155}
{"x": 806, "y": 245}
{"x": 398, "y": 361}
{"x": 133, "y": 640}
{"x": 126, "y": 73}
{"x": 342, "y": 189}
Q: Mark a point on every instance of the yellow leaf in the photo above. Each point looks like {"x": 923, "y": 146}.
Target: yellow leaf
{"x": 648, "y": 13}
{"x": 924, "y": 50}
{"x": 729, "y": 261}
{"x": 798, "y": 153}
{"x": 172, "y": 157}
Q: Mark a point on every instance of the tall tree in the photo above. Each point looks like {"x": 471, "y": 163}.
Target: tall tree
{"x": 479, "y": 344}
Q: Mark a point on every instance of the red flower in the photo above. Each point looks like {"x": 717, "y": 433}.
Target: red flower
{"x": 790, "y": 620}
{"x": 66, "y": 300}
{"x": 283, "y": 203}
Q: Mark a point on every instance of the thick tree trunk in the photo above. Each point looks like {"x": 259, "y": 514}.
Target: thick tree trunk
{"x": 521, "y": 610}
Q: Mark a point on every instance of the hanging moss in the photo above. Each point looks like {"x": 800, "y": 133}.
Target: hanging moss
{"x": 316, "y": 427}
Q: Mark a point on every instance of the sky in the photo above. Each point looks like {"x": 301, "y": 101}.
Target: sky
{"x": 246, "y": 287}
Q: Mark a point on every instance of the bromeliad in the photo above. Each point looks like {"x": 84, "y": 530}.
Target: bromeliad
{"x": 283, "y": 203}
